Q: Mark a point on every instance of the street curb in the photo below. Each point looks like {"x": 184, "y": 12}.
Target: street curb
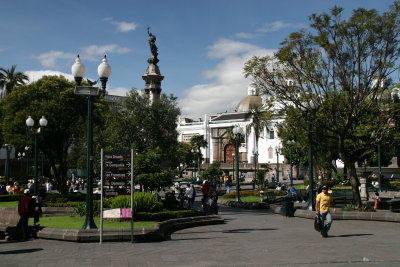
{"x": 245, "y": 205}
{"x": 160, "y": 233}
{"x": 347, "y": 215}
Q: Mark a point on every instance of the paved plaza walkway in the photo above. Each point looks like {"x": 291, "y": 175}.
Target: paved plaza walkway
{"x": 248, "y": 238}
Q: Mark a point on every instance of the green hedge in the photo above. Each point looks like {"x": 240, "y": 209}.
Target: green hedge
{"x": 6, "y": 198}
{"x": 395, "y": 183}
{"x": 75, "y": 197}
{"x": 62, "y": 204}
{"x": 166, "y": 215}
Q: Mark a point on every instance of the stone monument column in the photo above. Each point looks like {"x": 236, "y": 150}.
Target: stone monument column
{"x": 153, "y": 77}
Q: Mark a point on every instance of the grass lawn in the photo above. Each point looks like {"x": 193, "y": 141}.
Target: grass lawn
{"x": 9, "y": 204}
{"x": 69, "y": 222}
{"x": 245, "y": 199}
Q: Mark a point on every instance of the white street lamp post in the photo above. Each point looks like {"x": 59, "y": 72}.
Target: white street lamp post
{"x": 104, "y": 71}
{"x": 237, "y": 131}
{"x": 35, "y": 132}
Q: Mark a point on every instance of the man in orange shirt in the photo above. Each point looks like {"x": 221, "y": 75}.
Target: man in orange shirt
{"x": 324, "y": 201}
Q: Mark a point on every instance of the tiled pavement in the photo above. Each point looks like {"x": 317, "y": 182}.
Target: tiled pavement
{"x": 248, "y": 238}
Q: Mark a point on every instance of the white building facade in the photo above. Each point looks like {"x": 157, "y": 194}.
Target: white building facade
{"x": 214, "y": 128}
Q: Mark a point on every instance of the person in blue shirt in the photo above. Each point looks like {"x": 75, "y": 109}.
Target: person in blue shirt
{"x": 293, "y": 192}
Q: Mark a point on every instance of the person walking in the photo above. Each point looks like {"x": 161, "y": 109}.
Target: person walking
{"x": 253, "y": 183}
{"x": 228, "y": 184}
{"x": 207, "y": 193}
{"x": 191, "y": 195}
{"x": 324, "y": 201}
{"x": 26, "y": 209}
{"x": 376, "y": 200}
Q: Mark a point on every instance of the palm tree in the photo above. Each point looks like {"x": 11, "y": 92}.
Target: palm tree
{"x": 10, "y": 79}
{"x": 197, "y": 142}
{"x": 261, "y": 117}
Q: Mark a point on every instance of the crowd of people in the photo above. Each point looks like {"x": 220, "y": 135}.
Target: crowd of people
{"x": 15, "y": 188}
{"x": 11, "y": 189}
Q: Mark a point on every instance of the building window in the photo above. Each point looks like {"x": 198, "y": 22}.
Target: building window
{"x": 271, "y": 135}
{"x": 270, "y": 153}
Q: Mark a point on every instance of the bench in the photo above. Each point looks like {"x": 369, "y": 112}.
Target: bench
{"x": 272, "y": 199}
{"x": 9, "y": 218}
{"x": 387, "y": 200}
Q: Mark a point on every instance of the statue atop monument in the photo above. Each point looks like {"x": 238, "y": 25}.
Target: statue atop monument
{"x": 153, "y": 48}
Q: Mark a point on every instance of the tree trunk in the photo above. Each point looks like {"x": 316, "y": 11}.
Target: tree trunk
{"x": 62, "y": 178}
{"x": 354, "y": 184}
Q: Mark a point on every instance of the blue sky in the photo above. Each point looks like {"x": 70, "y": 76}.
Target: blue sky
{"x": 202, "y": 44}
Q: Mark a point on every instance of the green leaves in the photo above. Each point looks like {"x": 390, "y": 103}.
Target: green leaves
{"x": 339, "y": 71}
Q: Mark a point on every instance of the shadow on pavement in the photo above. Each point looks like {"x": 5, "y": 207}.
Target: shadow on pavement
{"x": 192, "y": 238}
{"x": 247, "y": 230}
{"x": 21, "y": 251}
{"x": 349, "y": 235}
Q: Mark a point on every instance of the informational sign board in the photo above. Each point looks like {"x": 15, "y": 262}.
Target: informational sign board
{"x": 117, "y": 173}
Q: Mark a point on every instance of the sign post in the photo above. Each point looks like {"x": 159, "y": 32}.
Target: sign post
{"x": 132, "y": 199}
{"x": 116, "y": 179}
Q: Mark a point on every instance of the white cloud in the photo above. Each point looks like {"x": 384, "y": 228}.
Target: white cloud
{"x": 121, "y": 91}
{"x": 122, "y": 26}
{"x": 228, "y": 86}
{"x": 278, "y": 25}
{"x": 49, "y": 59}
{"x": 89, "y": 53}
{"x": 246, "y": 35}
{"x": 35, "y": 75}
{"x": 226, "y": 47}
{"x": 94, "y": 52}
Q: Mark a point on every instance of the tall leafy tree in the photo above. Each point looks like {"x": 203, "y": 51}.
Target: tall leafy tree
{"x": 336, "y": 74}
{"x": 149, "y": 172}
{"x": 148, "y": 129}
{"x": 185, "y": 157}
{"x": 137, "y": 124}
{"x": 54, "y": 98}
{"x": 9, "y": 78}
{"x": 214, "y": 171}
{"x": 260, "y": 118}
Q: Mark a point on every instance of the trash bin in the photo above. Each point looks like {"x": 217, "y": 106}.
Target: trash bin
{"x": 287, "y": 206}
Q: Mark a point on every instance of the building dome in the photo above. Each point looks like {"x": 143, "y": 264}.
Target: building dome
{"x": 251, "y": 101}
{"x": 248, "y": 103}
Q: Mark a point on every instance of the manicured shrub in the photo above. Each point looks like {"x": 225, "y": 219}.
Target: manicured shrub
{"x": 4, "y": 198}
{"x": 55, "y": 197}
{"x": 61, "y": 204}
{"x": 365, "y": 208}
{"x": 143, "y": 202}
{"x": 395, "y": 183}
{"x": 80, "y": 208}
